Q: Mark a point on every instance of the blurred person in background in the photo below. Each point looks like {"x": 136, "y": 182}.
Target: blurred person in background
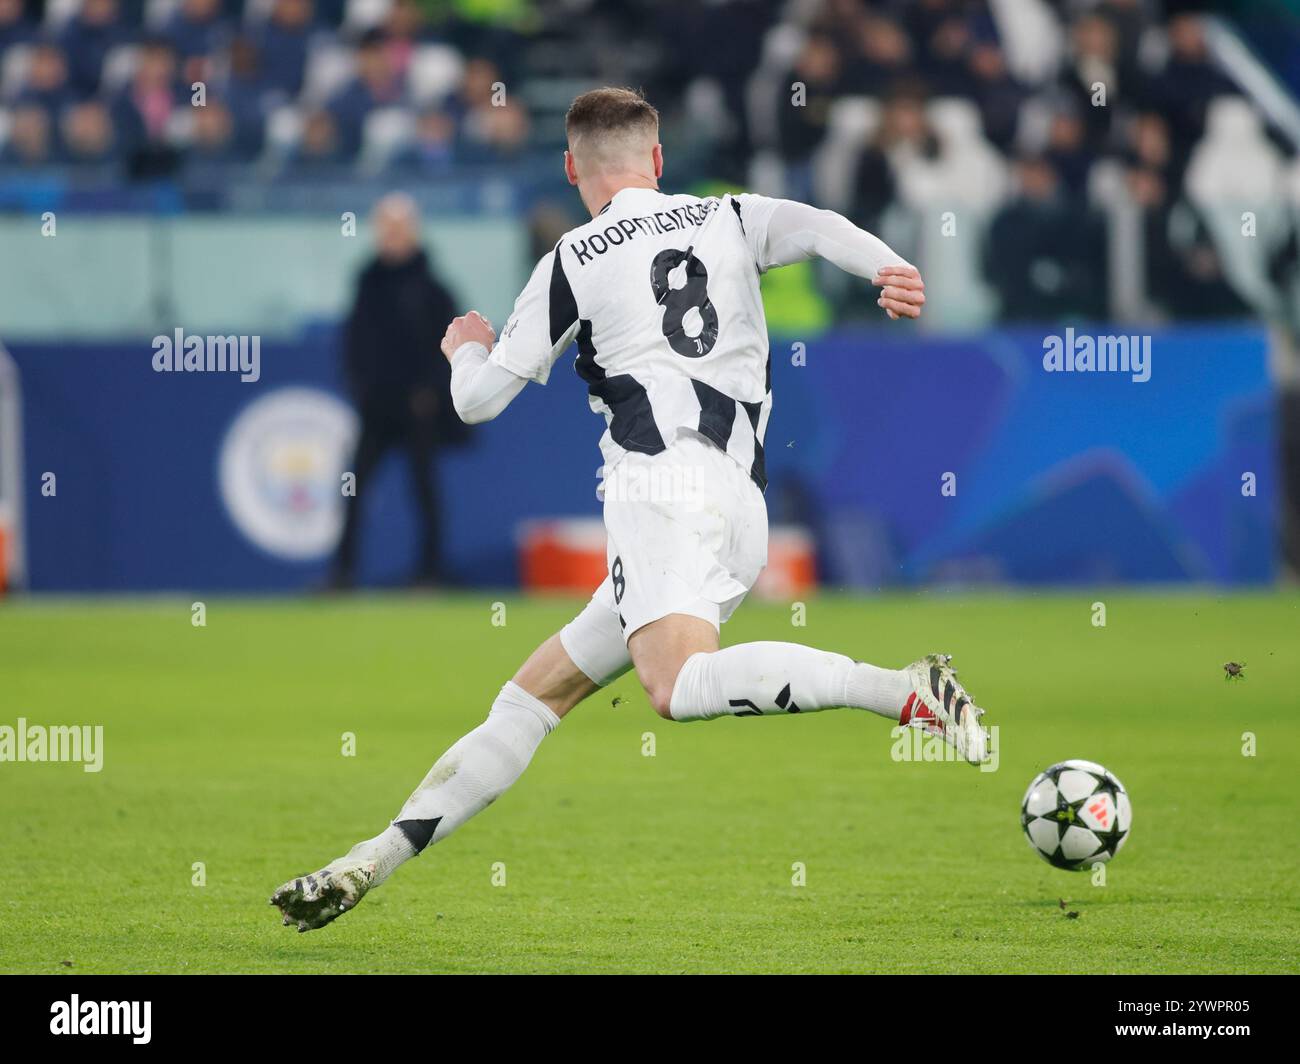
{"x": 1095, "y": 58}
{"x": 401, "y": 389}
{"x": 15, "y": 26}
{"x": 213, "y": 139}
{"x": 1182, "y": 91}
{"x": 492, "y": 126}
{"x": 197, "y": 30}
{"x": 242, "y": 89}
{"x": 89, "y": 138}
{"x": 880, "y": 54}
{"x": 1045, "y": 252}
{"x": 46, "y": 84}
{"x": 319, "y": 150}
{"x": 143, "y": 112}
{"x": 1185, "y": 276}
{"x": 87, "y": 38}
{"x": 432, "y": 149}
{"x": 903, "y": 135}
{"x": 31, "y": 139}
{"x": 282, "y": 42}
{"x": 377, "y": 84}
{"x": 802, "y": 122}
{"x": 1067, "y": 149}
{"x": 405, "y": 29}
{"x": 946, "y": 35}
{"x": 998, "y": 94}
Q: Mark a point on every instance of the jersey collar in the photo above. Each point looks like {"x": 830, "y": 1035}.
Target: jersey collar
{"x": 630, "y": 188}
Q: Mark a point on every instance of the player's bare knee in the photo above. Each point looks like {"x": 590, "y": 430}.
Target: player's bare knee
{"x": 661, "y": 698}
{"x": 658, "y": 686}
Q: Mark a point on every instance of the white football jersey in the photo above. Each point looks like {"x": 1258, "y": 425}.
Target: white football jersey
{"x": 662, "y": 295}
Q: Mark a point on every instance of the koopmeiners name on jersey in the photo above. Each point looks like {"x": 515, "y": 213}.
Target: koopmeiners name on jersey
{"x": 690, "y": 215}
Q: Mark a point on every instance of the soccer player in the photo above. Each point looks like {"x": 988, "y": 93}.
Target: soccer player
{"x": 661, "y": 293}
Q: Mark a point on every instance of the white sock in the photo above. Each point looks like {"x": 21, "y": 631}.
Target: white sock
{"x": 754, "y": 679}
{"x": 472, "y": 774}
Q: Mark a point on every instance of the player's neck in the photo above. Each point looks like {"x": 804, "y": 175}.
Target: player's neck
{"x": 598, "y": 194}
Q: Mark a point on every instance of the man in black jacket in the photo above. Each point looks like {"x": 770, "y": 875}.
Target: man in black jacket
{"x": 401, "y": 387}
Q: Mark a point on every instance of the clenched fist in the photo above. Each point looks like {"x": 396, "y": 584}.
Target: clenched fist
{"x": 902, "y": 291}
{"x": 467, "y": 329}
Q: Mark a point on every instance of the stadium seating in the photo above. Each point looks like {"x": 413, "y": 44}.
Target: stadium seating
{"x": 427, "y": 115}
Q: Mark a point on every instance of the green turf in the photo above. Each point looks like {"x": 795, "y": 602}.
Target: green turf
{"x": 223, "y": 745}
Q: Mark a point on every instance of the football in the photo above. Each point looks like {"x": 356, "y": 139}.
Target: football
{"x": 1076, "y": 814}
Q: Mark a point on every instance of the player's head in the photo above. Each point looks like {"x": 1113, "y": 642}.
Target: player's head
{"x": 612, "y": 133}
{"x": 396, "y": 222}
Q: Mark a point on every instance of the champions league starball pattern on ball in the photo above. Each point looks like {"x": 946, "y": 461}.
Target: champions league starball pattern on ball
{"x": 1076, "y": 814}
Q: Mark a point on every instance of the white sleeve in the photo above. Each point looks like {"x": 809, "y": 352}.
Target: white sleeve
{"x": 480, "y": 388}
{"x": 543, "y": 323}
{"x": 541, "y": 326}
{"x": 781, "y": 232}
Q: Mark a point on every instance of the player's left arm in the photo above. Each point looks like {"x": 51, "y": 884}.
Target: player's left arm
{"x": 781, "y": 232}
{"x": 487, "y": 373}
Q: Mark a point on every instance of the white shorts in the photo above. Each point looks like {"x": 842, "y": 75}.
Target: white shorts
{"x": 687, "y": 533}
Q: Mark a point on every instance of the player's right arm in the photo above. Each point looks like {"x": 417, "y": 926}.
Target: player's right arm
{"x": 781, "y": 232}
{"x": 487, "y": 373}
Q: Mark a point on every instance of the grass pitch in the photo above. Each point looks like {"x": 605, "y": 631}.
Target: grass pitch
{"x": 224, "y": 745}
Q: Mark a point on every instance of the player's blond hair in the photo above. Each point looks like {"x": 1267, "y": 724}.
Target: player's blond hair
{"x": 608, "y": 125}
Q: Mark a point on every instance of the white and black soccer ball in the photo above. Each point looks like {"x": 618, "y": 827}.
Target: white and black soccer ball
{"x": 1076, "y": 814}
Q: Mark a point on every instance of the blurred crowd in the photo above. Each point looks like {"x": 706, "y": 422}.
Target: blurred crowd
{"x": 1038, "y": 120}
{"x": 144, "y": 88}
{"x": 861, "y": 105}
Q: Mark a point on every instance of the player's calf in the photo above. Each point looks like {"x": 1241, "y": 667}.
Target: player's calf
{"x": 761, "y": 679}
{"x": 661, "y": 649}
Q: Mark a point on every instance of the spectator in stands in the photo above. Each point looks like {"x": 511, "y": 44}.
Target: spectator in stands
{"x": 402, "y": 390}
{"x": 1147, "y": 147}
{"x": 89, "y": 138}
{"x": 879, "y": 55}
{"x": 405, "y": 28}
{"x": 493, "y": 126}
{"x": 998, "y": 95}
{"x": 319, "y": 150}
{"x": 1183, "y": 90}
{"x": 1184, "y": 273}
{"x": 803, "y": 113}
{"x": 904, "y": 134}
{"x": 943, "y": 55}
{"x": 1095, "y": 61}
{"x": 213, "y": 138}
{"x": 375, "y": 85}
{"x": 87, "y": 39}
{"x": 47, "y": 80}
{"x": 1130, "y": 19}
{"x": 282, "y": 42}
{"x": 433, "y": 148}
{"x": 143, "y": 112}
{"x": 243, "y": 89}
{"x": 31, "y": 142}
{"x": 197, "y": 30}
{"x": 905, "y": 131}
{"x": 1067, "y": 149}
{"x": 15, "y": 26}
{"x": 686, "y": 34}
{"x": 1045, "y": 252}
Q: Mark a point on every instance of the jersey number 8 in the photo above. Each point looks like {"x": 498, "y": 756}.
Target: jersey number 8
{"x": 678, "y": 302}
